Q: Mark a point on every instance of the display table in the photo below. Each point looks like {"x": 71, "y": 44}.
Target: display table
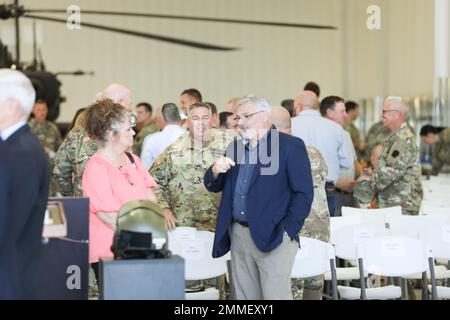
{"x": 150, "y": 279}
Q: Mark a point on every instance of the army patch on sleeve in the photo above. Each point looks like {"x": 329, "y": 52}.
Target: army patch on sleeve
{"x": 395, "y": 154}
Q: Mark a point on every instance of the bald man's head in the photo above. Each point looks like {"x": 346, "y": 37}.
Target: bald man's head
{"x": 119, "y": 94}
{"x": 306, "y": 100}
{"x": 281, "y": 119}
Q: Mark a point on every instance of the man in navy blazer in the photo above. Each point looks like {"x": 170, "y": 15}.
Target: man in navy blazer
{"x": 30, "y": 175}
{"x": 267, "y": 192}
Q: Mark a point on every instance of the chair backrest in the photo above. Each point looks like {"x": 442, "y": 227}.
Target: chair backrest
{"x": 413, "y": 226}
{"x": 337, "y": 223}
{"x": 438, "y": 238}
{"x": 196, "y": 249}
{"x": 373, "y": 215}
{"x": 312, "y": 259}
{"x": 346, "y": 240}
{"x": 429, "y": 209}
{"x": 394, "y": 256}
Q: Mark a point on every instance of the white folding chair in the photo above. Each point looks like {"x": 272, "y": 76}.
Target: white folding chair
{"x": 428, "y": 208}
{"x": 195, "y": 247}
{"x": 412, "y": 226}
{"x": 438, "y": 238}
{"x": 315, "y": 258}
{"x": 389, "y": 256}
{"x": 346, "y": 241}
{"x": 370, "y": 216}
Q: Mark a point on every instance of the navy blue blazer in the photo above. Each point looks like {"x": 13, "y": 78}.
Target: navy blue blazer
{"x": 28, "y": 202}
{"x": 275, "y": 202}
{"x": 7, "y": 267}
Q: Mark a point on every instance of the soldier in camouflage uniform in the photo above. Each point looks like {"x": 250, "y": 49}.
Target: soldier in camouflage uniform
{"x": 144, "y": 118}
{"x": 78, "y": 148}
{"x": 396, "y": 180}
{"x": 71, "y": 160}
{"x": 352, "y": 110}
{"x": 377, "y": 134}
{"x": 317, "y": 224}
{"x": 47, "y": 134}
{"x": 179, "y": 172}
{"x": 440, "y": 138}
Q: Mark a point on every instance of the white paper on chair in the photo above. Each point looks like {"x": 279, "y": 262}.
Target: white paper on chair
{"x": 185, "y": 234}
{"x": 393, "y": 248}
{"x": 193, "y": 249}
{"x": 446, "y": 233}
{"x": 304, "y": 249}
{"x": 361, "y": 234}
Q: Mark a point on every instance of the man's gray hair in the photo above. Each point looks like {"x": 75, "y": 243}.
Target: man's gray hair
{"x": 399, "y": 103}
{"x": 260, "y": 103}
{"x": 14, "y": 85}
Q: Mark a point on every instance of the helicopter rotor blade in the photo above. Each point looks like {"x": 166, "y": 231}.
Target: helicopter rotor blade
{"x": 187, "y": 43}
{"x": 177, "y": 17}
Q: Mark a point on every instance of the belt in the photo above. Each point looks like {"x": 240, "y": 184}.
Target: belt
{"x": 330, "y": 187}
{"x": 242, "y": 223}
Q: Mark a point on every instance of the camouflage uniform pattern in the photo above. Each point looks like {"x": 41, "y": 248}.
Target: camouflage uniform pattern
{"x": 441, "y": 151}
{"x": 396, "y": 181}
{"x": 377, "y": 134}
{"x": 179, "y": 172}
{"x": 356, "y": 136}
{"x": 139, "y": 140}
{"x": 71, "y": 160}
{"x": 50, "y": 138}
{"x": 317, "y": 224}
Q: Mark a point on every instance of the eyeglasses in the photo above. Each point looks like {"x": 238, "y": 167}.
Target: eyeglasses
{"x": 244, "y": 117}
{"x": 389, "y": 110}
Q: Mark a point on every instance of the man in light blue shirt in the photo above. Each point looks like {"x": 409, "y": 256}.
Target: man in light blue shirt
{"x": 323, "y": 134}
{"x": 156, "y": 143}
{"x": 333, "y": 108}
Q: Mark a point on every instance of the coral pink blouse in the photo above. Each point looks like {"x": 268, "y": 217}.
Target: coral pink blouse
{"x": 108, "y": 188}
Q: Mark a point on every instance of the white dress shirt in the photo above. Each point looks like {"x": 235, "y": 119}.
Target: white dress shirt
{"x": 328, "y": 137}
{"x": 154, "y": 144}
{"x": 10, "y": 130}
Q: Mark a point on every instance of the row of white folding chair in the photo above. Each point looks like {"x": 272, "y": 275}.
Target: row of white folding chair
{"x": 315, "y": 258}
{"x": 346, "y": 239}
{"x": 433, "y": 207}
{"x": 353, "y": 231}
{"x": 195, "y": 247}
{"x": 390, "y": 257}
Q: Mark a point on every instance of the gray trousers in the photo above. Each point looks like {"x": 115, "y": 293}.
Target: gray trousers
{"x": 261, "y": 275}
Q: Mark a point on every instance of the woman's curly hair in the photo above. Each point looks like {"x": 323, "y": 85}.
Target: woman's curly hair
{"x": 102, "y": 117}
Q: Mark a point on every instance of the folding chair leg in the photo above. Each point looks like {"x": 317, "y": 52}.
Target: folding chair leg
{"x": 404, "y": 285}
{"x": 424, "y": 286}
{"x": 230, "y": 275}
{"x": 433, "y": 279}
{"x": 333, "y": 280}
{"x": 361, "y": 279}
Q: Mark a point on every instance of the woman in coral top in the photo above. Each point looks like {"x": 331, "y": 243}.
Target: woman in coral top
{"x": 112, "y": 176}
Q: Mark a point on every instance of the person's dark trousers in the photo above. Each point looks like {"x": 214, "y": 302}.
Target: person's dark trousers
{"x": 95, "y": 268}
{"x": 343, "y": 199}
{"x": 331, "y": 199}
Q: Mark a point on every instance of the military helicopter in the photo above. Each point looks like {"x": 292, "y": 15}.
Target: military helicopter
{"x": 46, "y": 83}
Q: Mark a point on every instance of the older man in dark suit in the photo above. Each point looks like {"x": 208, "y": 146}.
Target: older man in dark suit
{"x": 30, "y": 181}
{"x": 267, "y": 194}
{"x": 6, "y": 250}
